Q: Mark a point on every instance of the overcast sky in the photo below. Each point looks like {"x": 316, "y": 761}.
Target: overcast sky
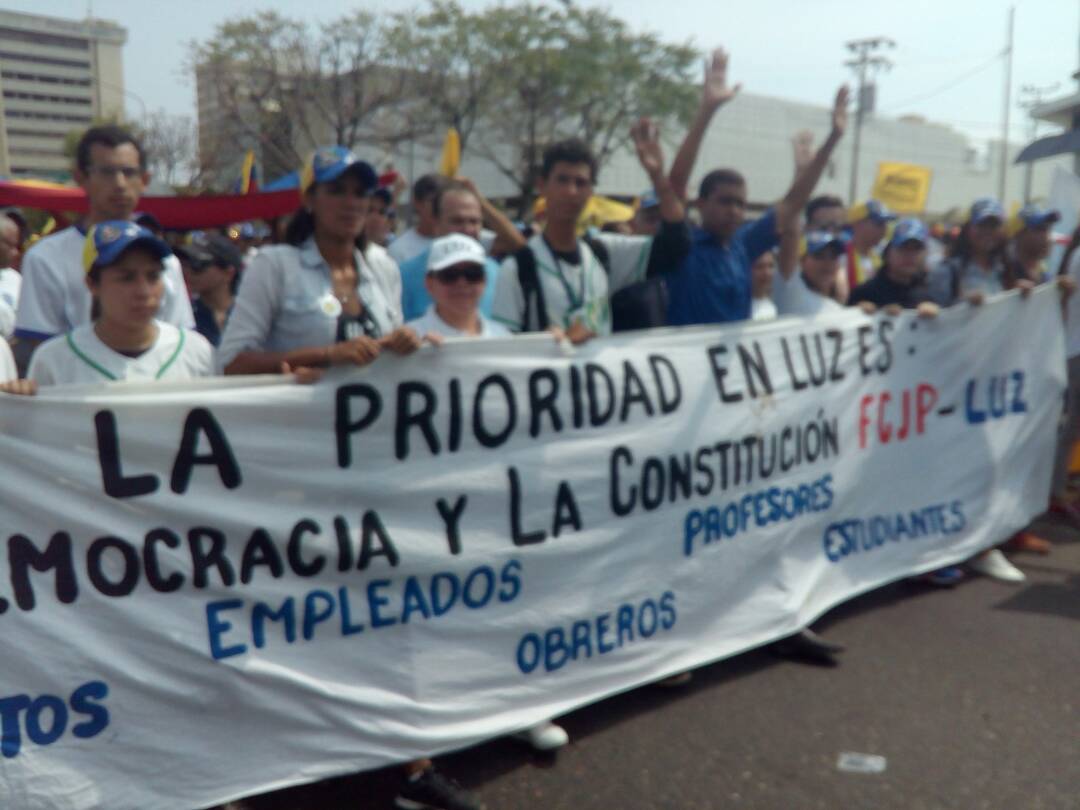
{"x": 947, "y": 60}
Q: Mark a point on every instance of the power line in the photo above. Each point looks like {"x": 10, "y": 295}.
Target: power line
{"x": 951, "y": 83}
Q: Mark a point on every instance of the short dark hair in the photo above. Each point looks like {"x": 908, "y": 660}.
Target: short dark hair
{"x": 110, "y": 135}
{"x": 426, "y": 187}
{"x": 572, "y": 150}
{"x": 719, "y": 177}
{"x": 451, "y": 186}
{"x": 822, "y": 201}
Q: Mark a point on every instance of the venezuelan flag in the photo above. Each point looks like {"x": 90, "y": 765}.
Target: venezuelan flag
{"x": 249, "y": 175}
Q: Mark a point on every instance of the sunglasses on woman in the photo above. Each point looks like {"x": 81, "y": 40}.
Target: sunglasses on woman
{"x": 472, "y": 273}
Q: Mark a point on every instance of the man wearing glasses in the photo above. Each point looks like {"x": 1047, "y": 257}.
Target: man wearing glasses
{"x": 110, "y": 166}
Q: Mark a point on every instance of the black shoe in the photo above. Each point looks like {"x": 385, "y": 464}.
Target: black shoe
{"x": 433, "y": 791}
{"x": 808, "y": 647}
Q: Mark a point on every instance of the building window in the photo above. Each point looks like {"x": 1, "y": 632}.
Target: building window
{"x": 37, "y": 77}
{"x": 39, "y": 116}
{"x": 29, "y": 133}
{"x": 44, "y": 60}
{"x": 17, "y": 94}
{"x": 34, "y": 38}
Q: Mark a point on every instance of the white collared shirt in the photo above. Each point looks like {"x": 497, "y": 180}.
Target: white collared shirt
{"x": 431, "y": 322}
{"x": 286, "y": 300}
{"x": 10, "y": 282}
{"x": 8, "y": 371}
{"x": 81, "y": 357}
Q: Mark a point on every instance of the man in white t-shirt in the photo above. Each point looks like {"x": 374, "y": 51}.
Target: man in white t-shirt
{"x": 456, "y": 280}
{"x": 807, "y": 290}
{"x": 418, "y": 238}
{"x": 567, "y": 282}
{"x": 110, "y": 166}
{"x": 10, "y": 280}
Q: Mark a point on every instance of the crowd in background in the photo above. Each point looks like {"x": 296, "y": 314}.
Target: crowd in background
{"x": 340, "y": 282}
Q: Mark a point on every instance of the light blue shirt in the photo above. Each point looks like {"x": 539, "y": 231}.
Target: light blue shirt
{"x": 414, "y": 295}
{"x": 286, "y": 300}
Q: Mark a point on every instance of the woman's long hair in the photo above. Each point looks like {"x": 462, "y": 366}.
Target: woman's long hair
{"x": 962, "y": 248}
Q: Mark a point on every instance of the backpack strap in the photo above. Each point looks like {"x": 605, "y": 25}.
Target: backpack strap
{"x": 531, "y": 291}
{"x": 599, "y": 250}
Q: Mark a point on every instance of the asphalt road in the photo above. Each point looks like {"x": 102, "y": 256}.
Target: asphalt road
{"x": 971, "y": 695}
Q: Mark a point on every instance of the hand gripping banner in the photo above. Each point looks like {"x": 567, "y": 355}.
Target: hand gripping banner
{"x": 215, "y": 590}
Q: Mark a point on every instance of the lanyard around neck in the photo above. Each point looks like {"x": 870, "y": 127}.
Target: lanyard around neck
{"x": 577, "y": 300}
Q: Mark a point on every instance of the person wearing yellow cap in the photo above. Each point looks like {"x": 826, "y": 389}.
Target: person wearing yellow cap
{"x": 868, "y": 222}
{"x": 326, "y": 297}
{"x": 124, "y": 273}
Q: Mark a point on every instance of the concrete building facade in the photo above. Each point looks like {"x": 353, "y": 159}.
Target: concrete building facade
{"x": 56, "y": 76}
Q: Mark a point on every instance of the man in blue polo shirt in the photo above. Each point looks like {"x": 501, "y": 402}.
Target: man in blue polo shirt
{"x": 458, "y": 208}
{"x": 713, "y": 283}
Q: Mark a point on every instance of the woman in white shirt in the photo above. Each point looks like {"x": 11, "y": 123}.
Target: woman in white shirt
{"x": 124, "y": 340}
{"x": 327, "y": 297}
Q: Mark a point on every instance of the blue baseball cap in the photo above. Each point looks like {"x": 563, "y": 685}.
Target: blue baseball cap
{"x": 106, "y": 242}
{"x": 330, "y": 162}
{"x": 1035, "y": 216}
{"x": 648, "y": 200}
{"x": 986, "y": 208}
{"x": 817, "y": 241}
{"x": 909, "y": 230}
{"x": 872, "y": 210}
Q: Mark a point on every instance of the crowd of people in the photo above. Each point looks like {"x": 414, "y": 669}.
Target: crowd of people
{"x": 113, "y": 299}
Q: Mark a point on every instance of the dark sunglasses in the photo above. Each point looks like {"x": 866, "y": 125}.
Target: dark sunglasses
{"x": 470, "y": 272}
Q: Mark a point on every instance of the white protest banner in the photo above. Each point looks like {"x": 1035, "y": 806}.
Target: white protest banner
{"x": 222, "y": 589}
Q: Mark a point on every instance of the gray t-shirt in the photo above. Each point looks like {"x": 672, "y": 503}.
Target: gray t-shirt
{"x": 954, "y": 278}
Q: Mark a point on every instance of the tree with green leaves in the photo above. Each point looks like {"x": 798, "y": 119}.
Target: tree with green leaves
{"x": 574, "y": 72}
{"x": 283, "y": 87}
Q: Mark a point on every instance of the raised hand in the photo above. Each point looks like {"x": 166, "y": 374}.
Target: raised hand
{"x": 714, "y": 89}
{"x": 802, "y": 145}
{"x": 646, "y": 137}
{"x": 840, "y": 110}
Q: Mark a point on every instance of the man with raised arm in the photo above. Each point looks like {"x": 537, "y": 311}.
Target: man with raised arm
{"x": 560, "y": 280}
{"x": 713, "y": 283}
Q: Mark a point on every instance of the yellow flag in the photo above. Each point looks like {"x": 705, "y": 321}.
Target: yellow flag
{"x": 450, "y": 161}
{"x": 599, "y": 211}
{"x": 247, "y": 172}
{"x": 902, "y": 187}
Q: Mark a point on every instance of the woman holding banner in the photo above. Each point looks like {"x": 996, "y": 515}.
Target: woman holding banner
{"x": 124, "y": 340}
{"x": 326, "y": 297}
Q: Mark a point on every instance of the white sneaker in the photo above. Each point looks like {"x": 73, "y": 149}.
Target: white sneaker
{"x": 996, "y": 565}
{"x": 545, "y": 736}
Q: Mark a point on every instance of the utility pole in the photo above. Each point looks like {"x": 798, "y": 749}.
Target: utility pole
{"x": 864, "y": 64}
{"x": 1031, "y": 97}
{"x": 1005, "y": 116}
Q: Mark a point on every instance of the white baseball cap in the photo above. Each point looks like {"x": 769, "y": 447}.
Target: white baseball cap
{"x": 455, "y": 248}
